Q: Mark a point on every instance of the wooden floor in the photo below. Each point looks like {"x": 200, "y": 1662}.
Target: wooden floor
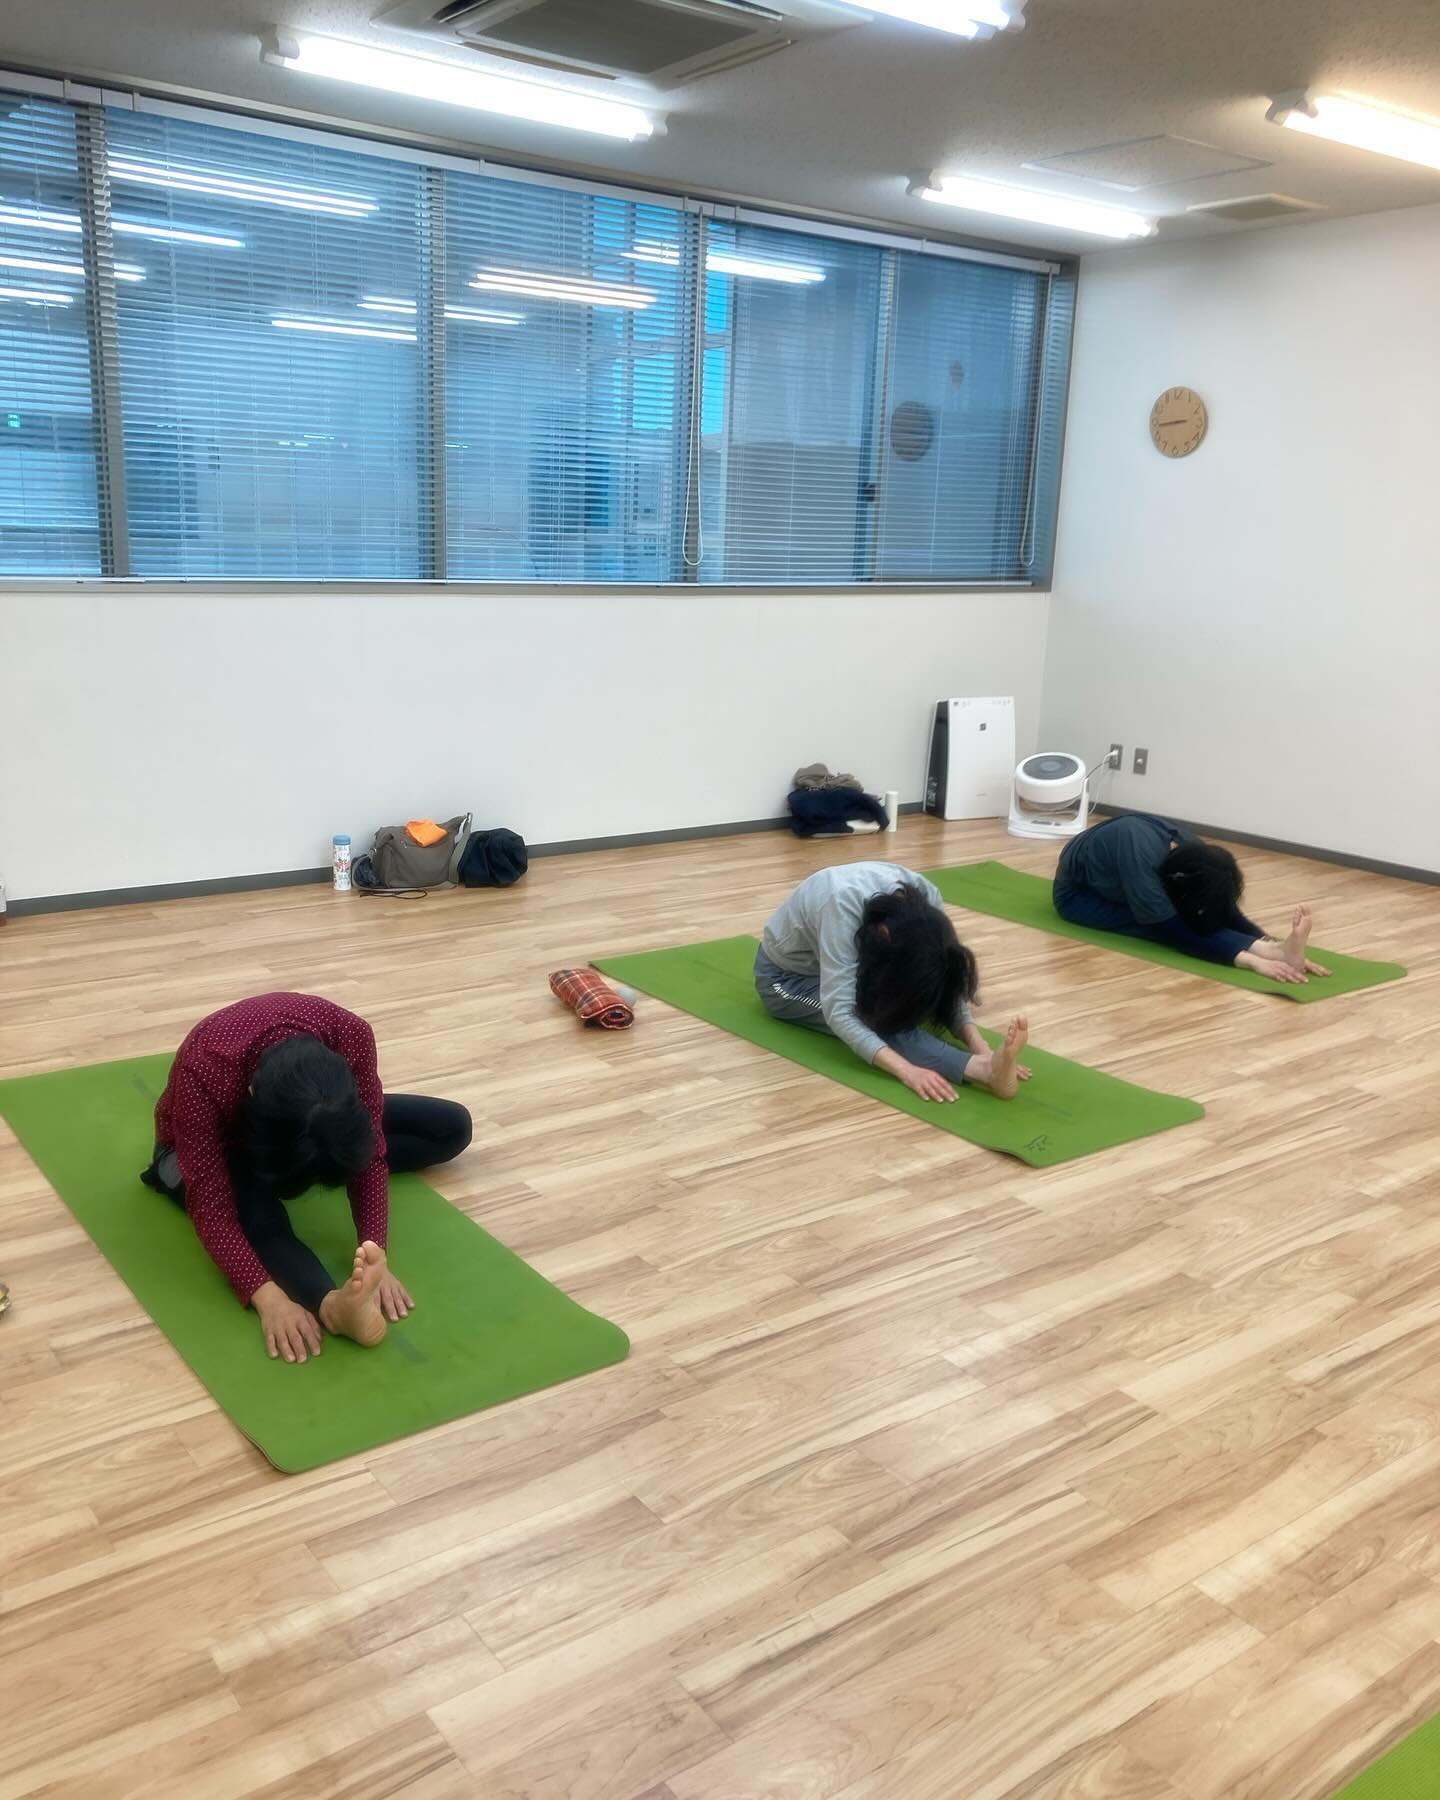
{"x": 930, "y": 1476}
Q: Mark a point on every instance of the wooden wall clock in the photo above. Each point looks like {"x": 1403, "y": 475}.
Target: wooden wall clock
{"x": 1178, "y": 420}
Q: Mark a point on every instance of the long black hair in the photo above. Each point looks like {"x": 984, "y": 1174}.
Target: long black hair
{"x": 303, "y": 1123}
{"x": 1204, "y": 883}
{"x": 913, "y": 969}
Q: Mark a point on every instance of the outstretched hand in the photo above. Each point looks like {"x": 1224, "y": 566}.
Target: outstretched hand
{"x": 927, "y": 1083}
{"x": 290, "y": 1330}
{"x": 395, "y": 1301}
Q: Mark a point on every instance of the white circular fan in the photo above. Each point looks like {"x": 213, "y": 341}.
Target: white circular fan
{"x": 1049, "y": 796}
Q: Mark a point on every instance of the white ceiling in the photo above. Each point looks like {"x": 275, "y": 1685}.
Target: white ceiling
{"x": 840, "y": 124}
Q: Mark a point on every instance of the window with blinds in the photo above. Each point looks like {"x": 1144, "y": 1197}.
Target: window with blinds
{"x": 49, "y": 513}
{"x": 241, "y": 354}
{"x": 792, "y": 332}
{"x": 566, "y": 319}
{"x": 270, "y": 399}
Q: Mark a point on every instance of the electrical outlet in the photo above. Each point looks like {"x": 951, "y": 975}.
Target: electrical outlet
{"x": 1116, "y": 758}
{"x": 1142, "y": 762}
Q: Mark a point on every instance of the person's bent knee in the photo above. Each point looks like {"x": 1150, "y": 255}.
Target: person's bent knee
{"x": 458, "y": 1131}
{"x": 1063, "y": 898}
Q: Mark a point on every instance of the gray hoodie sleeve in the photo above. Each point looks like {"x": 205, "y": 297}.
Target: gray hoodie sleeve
{"x": 839, "y": 960}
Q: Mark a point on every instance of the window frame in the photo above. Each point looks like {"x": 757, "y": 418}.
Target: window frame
{"x": 1047, "y": 418}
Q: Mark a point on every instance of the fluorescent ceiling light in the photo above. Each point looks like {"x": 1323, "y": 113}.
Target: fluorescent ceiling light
{"x": 1362, "y": 125}
{"x": 41, "y": 296}
{"x": 175, "y": 234}
{"x": 471, "y": 315}
{"x": 341, "y": 328}
{"x": 961, "y": 18}
{"x": 562, "y": 287}
{"x": 427, "y": 78}
{"x": 38, "y": 218}
{"x": 477, "y": 315}
{"x": 1005, "y": 201}
{"x": 728, "y": 262}
{"x": 47, "y": 265}
{"x": 35, "y": 218}
{"x": 239, "y": 187}
{"x": 731, "y": 262}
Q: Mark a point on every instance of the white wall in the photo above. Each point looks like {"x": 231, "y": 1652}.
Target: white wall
{"x": 1265, "y": 614}
{"x": 152, "y": 736}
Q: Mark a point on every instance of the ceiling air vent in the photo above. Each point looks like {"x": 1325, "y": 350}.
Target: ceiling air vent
{"x": 1254, "y": 208}
{"x": 660, "y": 42}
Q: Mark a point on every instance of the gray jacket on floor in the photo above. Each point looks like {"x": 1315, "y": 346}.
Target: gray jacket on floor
{"x": 813, "y": 933}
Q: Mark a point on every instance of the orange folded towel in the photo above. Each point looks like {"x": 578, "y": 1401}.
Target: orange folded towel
{"x": 425, "y": 831}
{"x": 591, "y": 998}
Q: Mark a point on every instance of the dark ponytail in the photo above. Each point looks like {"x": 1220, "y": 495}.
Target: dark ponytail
{"x": 1203, "y": 883}
{"x": 913, "y": 970}
{"x": 303, "y": 1123}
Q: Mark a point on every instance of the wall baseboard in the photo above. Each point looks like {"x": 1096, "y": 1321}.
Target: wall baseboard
{"x": 1370, "y": 864}
{"x": 283, "y": 878}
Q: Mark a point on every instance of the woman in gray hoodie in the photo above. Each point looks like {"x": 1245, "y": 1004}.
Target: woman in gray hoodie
{"x": 867, "y": 952}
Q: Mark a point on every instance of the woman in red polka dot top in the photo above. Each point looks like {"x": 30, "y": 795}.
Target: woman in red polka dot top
{"x": 267, "y": 1098}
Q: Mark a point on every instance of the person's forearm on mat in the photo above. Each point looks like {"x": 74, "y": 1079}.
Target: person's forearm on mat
{"x": 929, "y": 1084}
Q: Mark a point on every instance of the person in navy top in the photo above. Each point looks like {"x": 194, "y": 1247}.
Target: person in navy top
{"x": 1146, "y": 878}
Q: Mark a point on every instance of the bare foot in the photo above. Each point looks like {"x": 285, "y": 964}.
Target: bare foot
{"x": 353, "y": 1311}
{"x": 1293, "y": 948}
{"x": 1004, "y": 1076}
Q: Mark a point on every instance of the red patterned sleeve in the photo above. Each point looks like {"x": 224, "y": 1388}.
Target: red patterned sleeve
{"x": 199, "y": 1128}
{"x": 370, "y": 1191}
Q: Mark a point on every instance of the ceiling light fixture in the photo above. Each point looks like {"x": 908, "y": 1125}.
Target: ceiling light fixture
{"x": 730, "y": 262}
{"x": 340, "y": 328}
{"x": 428, "y": 78}
{"x": 175, "y": 234}
{"x": 1362, "y": 125}
{"x": 238, "y": 187}
{"x": 564, "y": 287}
{"x": 479, "y": 315}
{"x": 470, "y": 315}
{"x": 38, "y": 218}
{"x": 960, "y": 18}
{"x": 1034, "y": 206}
{"x": 41, "y": 296}
{"x": 46, "y": 265}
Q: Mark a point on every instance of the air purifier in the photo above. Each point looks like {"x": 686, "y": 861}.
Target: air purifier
{"x": 972, "y": 758}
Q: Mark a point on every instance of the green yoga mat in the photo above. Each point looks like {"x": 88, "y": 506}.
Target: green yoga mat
{"x": 1066, "y": 1111}
{"x": 486, "y": 1326}
{"x": 1411, "y": 1771}
{"x": 1006, "y": 893}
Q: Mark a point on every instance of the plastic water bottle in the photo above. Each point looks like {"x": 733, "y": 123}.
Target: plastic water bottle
{"x": 340, "y": 862}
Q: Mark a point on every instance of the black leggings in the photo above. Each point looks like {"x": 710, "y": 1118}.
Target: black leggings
{"x": 419, "y": 1134}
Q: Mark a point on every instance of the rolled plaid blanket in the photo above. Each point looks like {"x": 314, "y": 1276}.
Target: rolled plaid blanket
{"x": 591, "y": 998}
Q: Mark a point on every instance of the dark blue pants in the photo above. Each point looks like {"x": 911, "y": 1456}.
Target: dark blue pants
{"x": 1082, "y": 906}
